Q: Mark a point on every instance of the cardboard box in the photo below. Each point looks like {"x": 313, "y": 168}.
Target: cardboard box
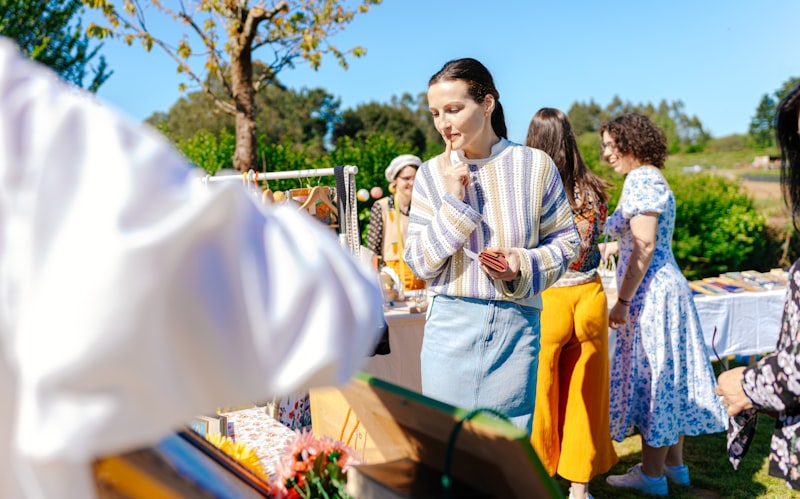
{"x": 411, "y": 442}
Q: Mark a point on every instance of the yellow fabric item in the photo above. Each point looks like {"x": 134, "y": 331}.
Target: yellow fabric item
{"x": 570, "y": 434}
{"x": 127, "y": 480}
{"x": 410, "y": 281}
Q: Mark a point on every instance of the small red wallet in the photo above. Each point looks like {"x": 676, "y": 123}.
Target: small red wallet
{"x": 495, "y": 261}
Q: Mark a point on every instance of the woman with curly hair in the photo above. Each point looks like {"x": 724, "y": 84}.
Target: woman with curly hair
{"x": 661, "y": 379}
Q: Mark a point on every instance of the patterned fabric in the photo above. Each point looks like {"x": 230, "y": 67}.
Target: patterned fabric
{"x": 382, "y": 238}
{"x": 515, "y": 200}
{"x": 375, "y": 228}
{"x": 589, "y": 221}
{"x": 741, "y": 431}
{"x": 264, "y": 435}
{"x": 773, "y": 383}
{"x": 294, "y": 411}
{"x": 661, "y": 378}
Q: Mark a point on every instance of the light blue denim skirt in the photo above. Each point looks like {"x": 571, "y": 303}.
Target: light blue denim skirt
{"x": 482, "y": 353}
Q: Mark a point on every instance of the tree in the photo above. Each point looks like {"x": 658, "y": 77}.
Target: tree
{"x": 291, "y": 29}
{"x": 283, "y": 115}
{"x": 585, "y": 117}
{"x": 406, "y": 118}
{"x": 683, "y": 132}
{"x": 762, "y": 124}
{"x": 45, "y": 32}
{"x": 372, "y": 118}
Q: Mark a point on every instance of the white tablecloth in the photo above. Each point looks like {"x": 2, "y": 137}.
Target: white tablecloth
{"x": 402, "y": 365}
{"x": 747, "y": 324}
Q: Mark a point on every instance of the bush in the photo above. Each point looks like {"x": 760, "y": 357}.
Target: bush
{"x": 717, "y": 228}
{"x": 208, "y": 152}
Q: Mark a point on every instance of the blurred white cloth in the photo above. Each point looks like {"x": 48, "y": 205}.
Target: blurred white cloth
{"x": 131, "y": 297}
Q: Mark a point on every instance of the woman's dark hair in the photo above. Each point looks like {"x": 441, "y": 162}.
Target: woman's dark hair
{"x": 789, "y": 141}
{"x": 550, "y": 131}
{"x": 479, "y": 84}
{"x": 636, "y": 134}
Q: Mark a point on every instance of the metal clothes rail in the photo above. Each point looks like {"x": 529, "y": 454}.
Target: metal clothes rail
{"x": 349, "y": 235}
{"x": 253, "y": 176}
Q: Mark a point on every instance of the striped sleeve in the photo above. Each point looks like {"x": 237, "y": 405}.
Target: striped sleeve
{"x": 541, "y": 266}
{"x": 438, "y": 225}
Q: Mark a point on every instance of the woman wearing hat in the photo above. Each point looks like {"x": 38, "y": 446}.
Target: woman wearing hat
{"x": 388, "y": 220}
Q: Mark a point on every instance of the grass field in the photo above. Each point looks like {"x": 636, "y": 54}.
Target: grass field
{"x": 711, "y": 473}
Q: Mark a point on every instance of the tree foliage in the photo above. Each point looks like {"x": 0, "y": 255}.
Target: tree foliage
{"x": 226, "y": 34}
{"x": 763, "y": 122}
{"x": 684, "y": 133}
{"x": 368, "y": 119}
{"x": 303, "y": 117}
{"x": 406, "y": 118}
{"x": 50, "y": 32}
{"x": 717, "y": 228}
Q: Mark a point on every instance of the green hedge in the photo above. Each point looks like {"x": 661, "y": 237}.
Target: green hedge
{"x": 717, "y": 228}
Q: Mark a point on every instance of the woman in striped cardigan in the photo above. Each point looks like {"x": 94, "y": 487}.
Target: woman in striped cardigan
{"x": 482, "y": 334}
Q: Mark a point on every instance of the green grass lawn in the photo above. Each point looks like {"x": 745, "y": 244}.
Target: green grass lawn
{"x": 711, "y": 473}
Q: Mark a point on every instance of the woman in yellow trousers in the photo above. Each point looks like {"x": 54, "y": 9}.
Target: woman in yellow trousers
{"x": 571, "y": 432}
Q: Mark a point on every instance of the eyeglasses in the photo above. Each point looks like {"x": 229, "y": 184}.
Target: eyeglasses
{"x": 406, "y": 179}
{"x": 610, "y": 145}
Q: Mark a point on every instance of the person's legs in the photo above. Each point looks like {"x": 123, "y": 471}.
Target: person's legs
{"x": 586, "y": 439}
{"x": 674, "y": 469}
{"x": 478, "y": 353}
{"x": 653, "y": 459}
{"x": 675, "y": 454}
{"x": 508, "y": 360}
{"x": 450, "y": 350}
{"x": 648, "y": 476}
{"x": 557, "y": 314}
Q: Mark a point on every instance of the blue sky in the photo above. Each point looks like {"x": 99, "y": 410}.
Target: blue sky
{"x": 717, "y": 56}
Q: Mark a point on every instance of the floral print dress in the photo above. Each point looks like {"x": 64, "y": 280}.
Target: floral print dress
{"x": 661, "y": 379}
{"x": 773, "y": 383}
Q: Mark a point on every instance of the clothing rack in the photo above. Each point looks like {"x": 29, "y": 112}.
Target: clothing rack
{"x": 253, "y": 176}
{"x": 349, "y": 235}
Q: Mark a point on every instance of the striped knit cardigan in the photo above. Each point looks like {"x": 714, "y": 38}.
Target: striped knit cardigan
{"x": 516, "y": 200}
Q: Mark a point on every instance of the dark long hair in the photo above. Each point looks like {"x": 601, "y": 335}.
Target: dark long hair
{"x": 479, "y": 84}
{"x": 551, "y": 131}
{"x": 789, "y": 142}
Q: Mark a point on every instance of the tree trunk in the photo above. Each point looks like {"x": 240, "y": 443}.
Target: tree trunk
{"x": 244, "y": 156}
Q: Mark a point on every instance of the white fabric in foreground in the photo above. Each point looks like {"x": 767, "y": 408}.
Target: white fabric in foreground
{"x": 132, "y": 298}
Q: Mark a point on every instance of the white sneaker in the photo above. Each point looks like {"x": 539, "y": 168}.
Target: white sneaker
{"x": 636, "y": 479}
{"x": 677, "y": 474}
{"x": 588, "y": 495}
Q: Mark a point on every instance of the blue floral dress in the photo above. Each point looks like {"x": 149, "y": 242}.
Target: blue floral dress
{"x": 661, "y": 379}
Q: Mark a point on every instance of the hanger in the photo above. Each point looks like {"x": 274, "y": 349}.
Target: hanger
{"x": 320, "y": 193}
{"x": 300, "y": 195}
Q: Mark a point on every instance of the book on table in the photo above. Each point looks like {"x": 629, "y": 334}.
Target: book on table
{"x": 747, "y": 286}
{"x": 205, "y": 425}
{"x": 706, "y": 288}
{"x": 725, "y": 286}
